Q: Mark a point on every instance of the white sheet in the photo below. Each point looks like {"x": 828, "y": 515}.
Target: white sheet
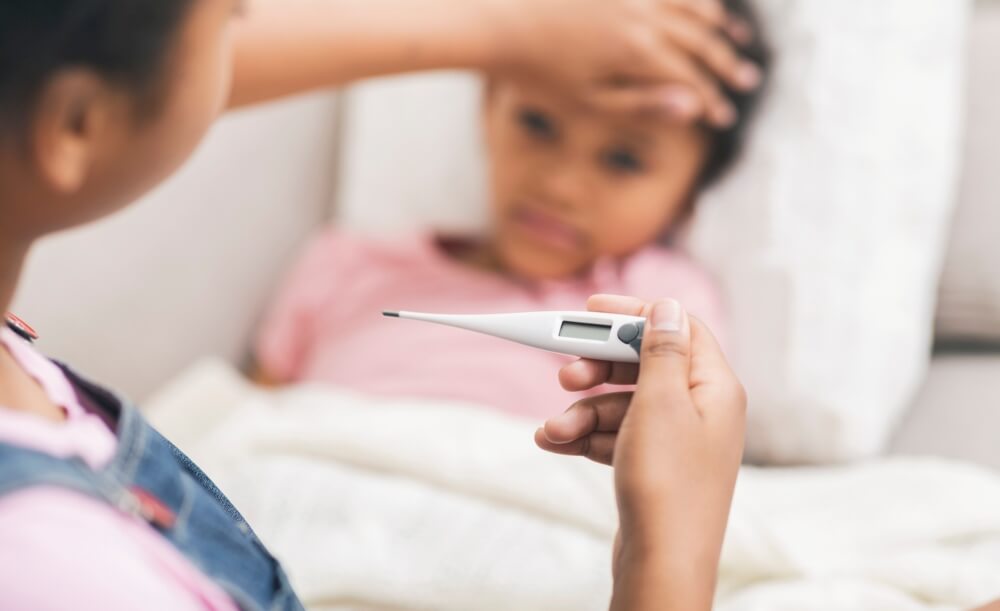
{"x": 376, "y": 504}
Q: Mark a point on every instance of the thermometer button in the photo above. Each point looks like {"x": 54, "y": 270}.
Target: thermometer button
{"x": 628, "y": 333}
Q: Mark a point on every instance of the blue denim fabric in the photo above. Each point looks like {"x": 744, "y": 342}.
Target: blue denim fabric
{"x": 208, "y": 529}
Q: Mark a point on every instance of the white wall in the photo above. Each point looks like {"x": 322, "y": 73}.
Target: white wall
{"x": 412, "y": 156}
{"x": 134, "y": 299}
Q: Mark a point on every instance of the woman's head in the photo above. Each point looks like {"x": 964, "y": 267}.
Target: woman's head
{"x": 571, "y": 185}
{"x": 100, "y": 100}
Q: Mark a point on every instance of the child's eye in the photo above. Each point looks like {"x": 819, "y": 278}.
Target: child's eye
{"x": 537, "y": 124}
{"x": 623, "y": 161}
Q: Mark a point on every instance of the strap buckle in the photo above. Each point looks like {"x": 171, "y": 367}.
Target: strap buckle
{"x": 20, "y": 327}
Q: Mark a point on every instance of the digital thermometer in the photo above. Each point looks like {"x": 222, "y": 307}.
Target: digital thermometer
{"x": 593, "y": 335}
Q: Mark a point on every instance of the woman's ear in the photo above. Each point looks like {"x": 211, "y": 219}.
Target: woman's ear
{"x": 70, "y": 128}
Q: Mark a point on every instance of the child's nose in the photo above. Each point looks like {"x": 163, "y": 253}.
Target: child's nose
{"x": 565, "y": 185}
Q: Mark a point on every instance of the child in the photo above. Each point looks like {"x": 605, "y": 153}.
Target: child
{"x": 100, "y": 100}
{"x": 581, "y": 202}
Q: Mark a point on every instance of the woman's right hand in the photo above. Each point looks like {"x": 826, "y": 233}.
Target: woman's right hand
{"x": 676, "y": 444}
{"x": 659, "y": 56}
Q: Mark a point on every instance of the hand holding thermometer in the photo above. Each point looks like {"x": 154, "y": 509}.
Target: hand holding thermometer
{"x": 593, "y": 335}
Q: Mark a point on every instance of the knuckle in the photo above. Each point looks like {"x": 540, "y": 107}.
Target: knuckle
{"x": 706, "y": 85}
{"x": 720, "y": 51}
{"x": 585, "y": 406}
{"x": 665, "y": 347}
{"x": 713, "y": 10}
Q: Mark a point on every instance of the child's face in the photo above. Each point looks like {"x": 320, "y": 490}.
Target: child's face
{"x": 570, "y": 186}
{"x": 113, "y": 150}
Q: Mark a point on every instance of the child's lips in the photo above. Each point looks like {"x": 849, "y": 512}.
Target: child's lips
{"x": 548, "y": 230}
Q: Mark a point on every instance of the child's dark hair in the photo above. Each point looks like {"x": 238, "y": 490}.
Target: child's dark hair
{"x": 727, "y": 144}
{"x": 125, "y": 41}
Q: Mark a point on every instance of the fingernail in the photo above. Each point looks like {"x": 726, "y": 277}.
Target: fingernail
{"x": 668, "y": 315}
{"x": 748, "y": 76}
{"x": 680, "y": 102}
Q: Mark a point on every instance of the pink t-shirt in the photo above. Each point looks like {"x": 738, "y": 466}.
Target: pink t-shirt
{"x": 326, "y": 324}
{"x": 60, "y": 549}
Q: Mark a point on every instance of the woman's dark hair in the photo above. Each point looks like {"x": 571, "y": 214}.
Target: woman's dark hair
{"x": 124, "y": 41}
{"x": 727, "y": 144}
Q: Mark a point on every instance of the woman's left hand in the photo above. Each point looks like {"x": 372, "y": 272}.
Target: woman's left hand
{"x": 671, "y": 57}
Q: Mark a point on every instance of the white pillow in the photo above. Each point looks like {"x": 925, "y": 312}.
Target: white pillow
{"x": 828, "y": 239}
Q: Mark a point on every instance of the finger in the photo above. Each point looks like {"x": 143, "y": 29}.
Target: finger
{"x": 665, "y": 361}
{"x": 599, "y": 447}
{"x": 712, "y": 12}
{"x": 706, "y": 352}
{"x": 602, "y": 414}
{"x": 740, "y": 31}
{"x": 585, "y": 374}
{"x": 673, "y": 66}
{"x": 711, "y": 372}
{"x": 715, "y": 51}
{"x": 671, "y": 102}
{"x": 617, "y": 304}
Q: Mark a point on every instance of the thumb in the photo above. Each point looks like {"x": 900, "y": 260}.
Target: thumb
{"x": 665, "y": 362}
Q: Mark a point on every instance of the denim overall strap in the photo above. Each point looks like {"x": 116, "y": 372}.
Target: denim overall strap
{"x": 22, "y": 468}
{"x": 209, "y": 530}
{"x": 205, "y": 527}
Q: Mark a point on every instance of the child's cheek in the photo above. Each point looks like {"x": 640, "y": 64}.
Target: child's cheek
{"x": 630, "y": 224}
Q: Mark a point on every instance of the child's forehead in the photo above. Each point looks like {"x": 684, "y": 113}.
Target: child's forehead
{"x": 567, "y": 110}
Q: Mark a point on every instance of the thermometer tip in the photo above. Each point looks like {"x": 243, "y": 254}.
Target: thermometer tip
{"x": 390, "y": 314}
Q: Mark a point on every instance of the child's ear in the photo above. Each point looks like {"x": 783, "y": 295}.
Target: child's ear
{"x": 69, "y": 127}
{"x": 489, "y": 87}
{"x": 488, "y": 92}
{"x": 487, "y": 102}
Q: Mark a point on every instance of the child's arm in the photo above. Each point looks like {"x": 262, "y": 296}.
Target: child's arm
{"x": 675, "y": 445}
{"x": 628, "y": 55}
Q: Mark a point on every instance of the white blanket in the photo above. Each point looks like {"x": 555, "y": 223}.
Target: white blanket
{"x": 399, "y": 504}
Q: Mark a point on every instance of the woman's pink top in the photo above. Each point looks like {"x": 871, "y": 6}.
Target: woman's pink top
{"x": 60, "y": 549}
{"x": 326, "y": 324}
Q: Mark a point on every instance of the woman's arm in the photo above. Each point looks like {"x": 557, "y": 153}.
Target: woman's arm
{"x": 290, "y": 46}
{"x": 665, "y": 55}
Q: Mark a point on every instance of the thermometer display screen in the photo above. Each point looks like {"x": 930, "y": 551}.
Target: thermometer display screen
{"x": 579, "y": 330}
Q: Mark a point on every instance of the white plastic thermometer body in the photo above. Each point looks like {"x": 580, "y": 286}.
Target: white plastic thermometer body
{"x": 607, "y": 337}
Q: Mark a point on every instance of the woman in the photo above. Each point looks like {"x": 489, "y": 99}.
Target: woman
{"x": 100, "y": 100}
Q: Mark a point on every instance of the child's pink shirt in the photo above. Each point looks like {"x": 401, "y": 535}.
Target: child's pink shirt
{"x": 60, "y": 549}
{"x": 326, "y": 324}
